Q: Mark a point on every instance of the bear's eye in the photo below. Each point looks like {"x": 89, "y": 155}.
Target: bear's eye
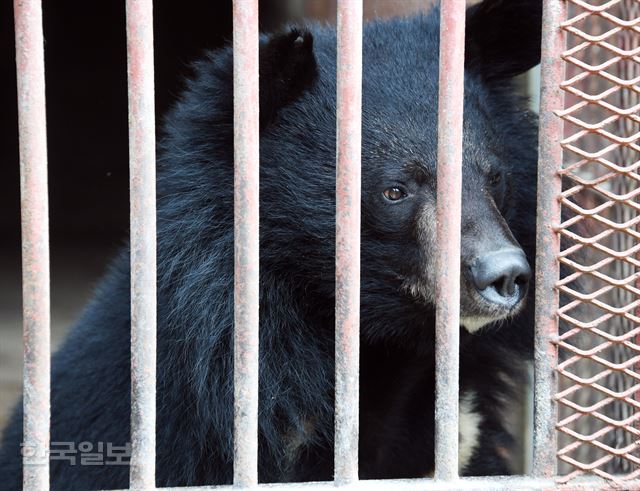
{"x": 394, "y": 194}
{"x": 496, "y": 178}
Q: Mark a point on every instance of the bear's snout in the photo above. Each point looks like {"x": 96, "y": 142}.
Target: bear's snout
{"x": 501, "y": 277}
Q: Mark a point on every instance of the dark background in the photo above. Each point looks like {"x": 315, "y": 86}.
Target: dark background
{"x": 85, "y": 57}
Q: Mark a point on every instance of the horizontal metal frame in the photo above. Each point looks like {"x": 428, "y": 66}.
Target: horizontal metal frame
{"x": 497, "y": 483}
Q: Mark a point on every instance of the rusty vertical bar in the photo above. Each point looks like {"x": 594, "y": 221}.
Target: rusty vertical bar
{"x": 246, "y": 133}
{"x": 348, "y": 177}
{"x": 142, "y": 170}
{"x": 449, "y": 206}
{"x": 35, "y": 242}
{"x": 548, "y": 240}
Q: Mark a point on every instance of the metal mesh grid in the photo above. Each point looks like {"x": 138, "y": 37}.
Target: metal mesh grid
{"x": 599, "y": 345}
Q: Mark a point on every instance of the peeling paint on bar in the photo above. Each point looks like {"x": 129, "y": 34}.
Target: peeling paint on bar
{"x": 35, "y": 242}
{"x": 142, "y": 162}
{"x": 548, "y": 241}
{"x": 449, "y": 205}
{"x": 246, "y": 199}
{"x": 348, "y": 179}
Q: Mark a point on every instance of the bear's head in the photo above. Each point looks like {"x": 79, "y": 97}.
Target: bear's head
{"x": 399, "y": 159}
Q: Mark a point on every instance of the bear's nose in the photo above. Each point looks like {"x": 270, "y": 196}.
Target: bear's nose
{"x": 501, "y": 276}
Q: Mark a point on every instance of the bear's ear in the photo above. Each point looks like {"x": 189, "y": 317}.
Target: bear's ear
{"x": 287, "y": 68}
{"x": 503, "y": 37}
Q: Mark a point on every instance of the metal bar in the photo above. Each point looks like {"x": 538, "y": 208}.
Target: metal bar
{"x": 348, "y": 179}
{"x": 142, "y": 161}
{"x": 35, "y": 242}
{"x": 449, "y": 206}
{"x": 246, "y": 130}
{"x": 548, "y": 240}
{"x": 495, "y": 483}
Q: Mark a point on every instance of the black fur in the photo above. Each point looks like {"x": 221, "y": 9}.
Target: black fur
{"x": 91, "y": 386}
{"x": 503, "y": 37}
{"x": 287, "y": 68}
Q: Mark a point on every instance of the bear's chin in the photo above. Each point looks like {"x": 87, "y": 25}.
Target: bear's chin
{"x": 474, "y": 324}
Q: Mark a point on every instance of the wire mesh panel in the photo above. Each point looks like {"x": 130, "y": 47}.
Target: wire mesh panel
{"x": 599, "y": 405}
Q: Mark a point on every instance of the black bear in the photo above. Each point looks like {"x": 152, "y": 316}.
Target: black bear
{"x": 91, "y": 381}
